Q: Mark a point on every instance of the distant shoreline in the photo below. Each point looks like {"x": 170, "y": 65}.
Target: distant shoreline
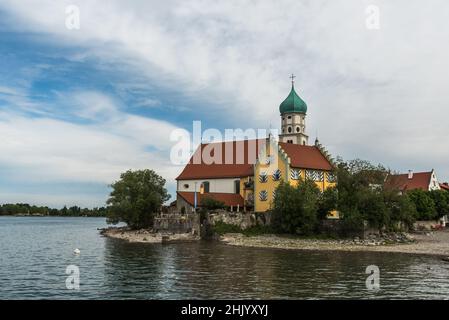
{"x": 48, "y": 216}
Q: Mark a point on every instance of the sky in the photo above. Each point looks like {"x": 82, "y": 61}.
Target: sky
{"x": 79, "y": 104}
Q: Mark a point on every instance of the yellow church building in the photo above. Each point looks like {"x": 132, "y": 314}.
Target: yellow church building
{"x": 249, "y": 172}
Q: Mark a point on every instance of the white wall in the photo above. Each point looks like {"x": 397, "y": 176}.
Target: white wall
{"x": 434, "y": 185}
{"x": 215, "y": 185}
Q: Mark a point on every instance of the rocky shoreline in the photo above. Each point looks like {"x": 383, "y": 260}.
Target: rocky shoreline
{"x": 430, "y": 243}
{"x": 434, "y": 243}
{"x": 146, "y": 235}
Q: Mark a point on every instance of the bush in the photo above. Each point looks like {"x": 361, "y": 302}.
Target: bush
{"x": 441, "y": 200}
{"x": 222, "y": 228}
{"x": 210, "y": 203}
{"x": 425, "y": 206}
{"x": 296, "y": 208}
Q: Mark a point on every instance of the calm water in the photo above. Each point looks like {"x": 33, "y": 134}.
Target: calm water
{"x": 34, "y": 254}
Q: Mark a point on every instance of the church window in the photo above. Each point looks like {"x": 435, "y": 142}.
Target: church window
{"x": 289, "y": 117}
{"x": 289, "y": 129}
{"x": 289, "y": 141}
{"x": 277, "y": 175}
{"x": 297, "y": 129}
{"x": 311, "y": 175}
{"x": 206, "y": 186}
{"x": 263, "y": 195}
{"x": 331, "y": 177}
{"x": 263, "y": 177}
{"x": 295, "y": 174}
{"x": 237, "y": 186}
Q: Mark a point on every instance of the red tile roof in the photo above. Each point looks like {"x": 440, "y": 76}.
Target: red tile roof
{"x": 205, "y": 170}
{"x": 306, "y": 157}
{"x": 420, "y": 180}
{"x": 229, "y": 199}
{"x": 444, "y": 186}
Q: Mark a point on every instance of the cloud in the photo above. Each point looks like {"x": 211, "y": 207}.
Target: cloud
{"x": 379, "y": 94}
{"x": 51, "y": 150}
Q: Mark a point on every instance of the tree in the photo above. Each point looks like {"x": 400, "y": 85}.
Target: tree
{"x": 327, "y": 202}
{"x": 210, "y": 203}
{"x": 136, "y": 198}
{"x": 424, "y": 204}
{"x": 441, "y": 201}
{"x": 295, "y": 209}
{"x": 363, "y": 197}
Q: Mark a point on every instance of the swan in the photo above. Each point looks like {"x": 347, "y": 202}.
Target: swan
{"x": 76, "y": 251}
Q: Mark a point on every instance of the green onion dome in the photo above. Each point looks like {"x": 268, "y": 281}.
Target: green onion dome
{"x": 293, "y": 103}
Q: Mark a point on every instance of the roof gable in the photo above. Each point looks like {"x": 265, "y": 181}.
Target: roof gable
{"x": 420, "y": 180}
{"x": 203, "y": 166}
{"x": 306, "y": 157}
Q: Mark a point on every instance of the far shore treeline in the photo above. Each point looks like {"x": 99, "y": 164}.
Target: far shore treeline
{"x": 26, "y": 209}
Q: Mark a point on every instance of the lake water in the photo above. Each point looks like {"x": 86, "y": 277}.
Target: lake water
{"x": 34, "y": 254}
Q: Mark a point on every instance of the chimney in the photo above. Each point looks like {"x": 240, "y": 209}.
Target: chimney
{"x": 410, "y": 174}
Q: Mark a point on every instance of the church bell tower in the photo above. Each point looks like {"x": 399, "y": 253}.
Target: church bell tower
{"x": 293, "y": 118}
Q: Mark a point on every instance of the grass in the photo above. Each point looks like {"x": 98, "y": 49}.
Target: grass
{"x": 222, "y": 228}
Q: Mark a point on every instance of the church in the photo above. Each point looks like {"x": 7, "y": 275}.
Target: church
{"x": 248, "y": 182}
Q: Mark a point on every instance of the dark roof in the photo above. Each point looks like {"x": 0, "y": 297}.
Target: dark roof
{"x": 444, "y": 186}
{"x": 229, "y": 199}
{"x": 206, "y": 170}
{"x": 306, "y": 157}
{"x": 420, "y": 180}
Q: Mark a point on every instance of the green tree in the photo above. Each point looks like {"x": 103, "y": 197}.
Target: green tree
{"x": 295, "y": 209}
{"x": 210, "y": 203}
{"x": 441, "y": 201}
{"x": 136, "y": 198}
{"x": 424, "y": 204}
{"x": 327, "y": 202}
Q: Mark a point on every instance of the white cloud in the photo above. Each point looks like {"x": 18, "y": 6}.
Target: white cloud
{"x": 377, "y": 94}
{"x": 47, "y": 149}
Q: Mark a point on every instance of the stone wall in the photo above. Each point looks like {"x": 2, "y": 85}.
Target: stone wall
{"x": 243, "y": 220}
{"x": 177, "y": 223}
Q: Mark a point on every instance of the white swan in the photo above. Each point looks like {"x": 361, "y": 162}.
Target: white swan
{"x": 77, "y": 251}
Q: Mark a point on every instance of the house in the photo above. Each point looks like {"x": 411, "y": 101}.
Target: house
{"x": 426, "y": 181}
{"x": 444, "y": 186}
{"x": 245, "y": 174}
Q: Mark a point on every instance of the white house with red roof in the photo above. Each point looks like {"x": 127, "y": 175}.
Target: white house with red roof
{"x": 426, "y": 181}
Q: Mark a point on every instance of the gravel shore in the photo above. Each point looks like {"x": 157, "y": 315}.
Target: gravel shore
{"x": 431, "y": 243}
{"x": 145, "y": 236}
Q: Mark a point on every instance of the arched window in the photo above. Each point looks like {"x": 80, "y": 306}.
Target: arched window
{"x": 206, "y": 186}
{"x": 289, "y": 129}
{"x": 297, "y": 129}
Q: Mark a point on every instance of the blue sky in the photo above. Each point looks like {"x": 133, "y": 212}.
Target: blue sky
{"x": 77, "y": 107}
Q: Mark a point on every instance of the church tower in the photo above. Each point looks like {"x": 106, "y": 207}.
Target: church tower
{"x": 293, "y": 118}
